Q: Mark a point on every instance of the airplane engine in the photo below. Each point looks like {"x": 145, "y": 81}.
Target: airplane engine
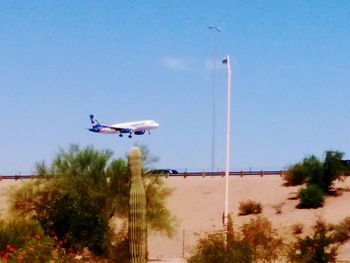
{"x": 139, "y": 132}
{"x": 125, "y": 130}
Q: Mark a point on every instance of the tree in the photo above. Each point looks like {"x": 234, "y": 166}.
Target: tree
{"x": 310, "y": 169}
{"x": 333, "y": 169}
{"x": 89, "y": 177}
{"x": 313, "y": 171}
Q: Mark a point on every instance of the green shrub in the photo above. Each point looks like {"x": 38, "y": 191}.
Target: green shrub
{"x": 77, "y": 222}
{"x": 301, "y": 172}
{"x": 313, "y": 171}
{"x": 294, "y": 176}
{"x": 15, "y": 232}
{"x": 311, "y": 197}
{"x": 319, "y": 248}
{"x": 333, "y": 169}
{"x": 249, "y": 207}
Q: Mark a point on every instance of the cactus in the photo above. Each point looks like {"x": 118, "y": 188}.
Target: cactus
{"x": 137, "y": 210}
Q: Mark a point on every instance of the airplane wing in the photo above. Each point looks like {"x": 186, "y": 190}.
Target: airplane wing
{"x": 120, "y": 129}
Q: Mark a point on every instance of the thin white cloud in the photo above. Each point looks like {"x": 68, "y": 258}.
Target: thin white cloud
{"x": 175, "y": 63}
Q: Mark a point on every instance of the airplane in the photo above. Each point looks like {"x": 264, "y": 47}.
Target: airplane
{"x": 135, "y": 127}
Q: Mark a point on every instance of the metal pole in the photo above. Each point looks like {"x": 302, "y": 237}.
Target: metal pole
{"x": 183, "y": 243}
{"x": 228, "y": 122}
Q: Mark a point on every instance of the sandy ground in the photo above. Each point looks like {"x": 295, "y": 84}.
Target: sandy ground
{"x": 198, "y": 205}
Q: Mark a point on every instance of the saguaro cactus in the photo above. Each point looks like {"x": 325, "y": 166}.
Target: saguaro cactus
{"x": 137, "y": 212}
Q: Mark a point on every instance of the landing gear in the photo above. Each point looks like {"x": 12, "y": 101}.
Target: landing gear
{"x": 120, "y": 135}
{"x": 130, "y": 135}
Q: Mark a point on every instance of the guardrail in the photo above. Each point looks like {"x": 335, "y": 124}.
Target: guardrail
{"x": 184, "y": 174}
{"x": 16, "y": 177}
{"x": 222, "y": 174}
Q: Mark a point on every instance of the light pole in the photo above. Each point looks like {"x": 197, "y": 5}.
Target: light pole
{"x": 215, "y": 29}
{"x": 228, "y": 125}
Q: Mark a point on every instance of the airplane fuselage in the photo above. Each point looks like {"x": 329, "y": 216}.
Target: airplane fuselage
{"x": 135, "y": 127}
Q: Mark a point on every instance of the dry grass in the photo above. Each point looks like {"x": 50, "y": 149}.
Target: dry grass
{"x": 249, "y": 207}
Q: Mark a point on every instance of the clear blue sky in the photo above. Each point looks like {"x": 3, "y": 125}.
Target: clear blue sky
{"x": 134, "y": 60}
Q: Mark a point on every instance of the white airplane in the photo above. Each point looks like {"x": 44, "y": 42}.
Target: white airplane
{"x": 135, "y": 127}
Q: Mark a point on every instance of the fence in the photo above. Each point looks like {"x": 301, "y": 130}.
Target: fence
{"x": 185, "y": 174}
{"x": 222, "y": 174}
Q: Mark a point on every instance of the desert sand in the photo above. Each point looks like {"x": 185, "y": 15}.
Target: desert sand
{"x": 198, "y": 205}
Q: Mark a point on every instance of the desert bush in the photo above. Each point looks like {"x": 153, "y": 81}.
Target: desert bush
{"x": 15, "y": 232}
{"x": 256, "y": 241}
{"x": 23, "y": 240}
{"x": 318, "y": 248}
{"x": 301, "y": 172}
{"x": 341, "y": 232}
{"x": 212, "y": 248}
{"x": 32, "y": 197}
{"x": 311, "y": 197}
{"x": 40, "y": 249}
{"x": 249, "y": 207}
{"x": 278, "y": 208}
{"x": 297, "y": 229}
{"x": 44, "y": 249}
{"x": 263, "y": 240}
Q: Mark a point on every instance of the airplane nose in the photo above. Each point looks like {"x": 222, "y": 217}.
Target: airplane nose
{"x": 156, "y": 124}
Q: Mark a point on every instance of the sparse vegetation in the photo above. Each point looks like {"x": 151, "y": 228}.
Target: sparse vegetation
{"x": 212, "y": 248}
{"x": 320, "y": 247}
{"x": 63, "y": 209}
{"x": 263, "y": 240}
{"x": 249, "y": 207}
{"x": 256, "y": 242}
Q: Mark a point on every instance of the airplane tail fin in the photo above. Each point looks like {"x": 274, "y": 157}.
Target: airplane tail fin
{"x": 93, "y": 120}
